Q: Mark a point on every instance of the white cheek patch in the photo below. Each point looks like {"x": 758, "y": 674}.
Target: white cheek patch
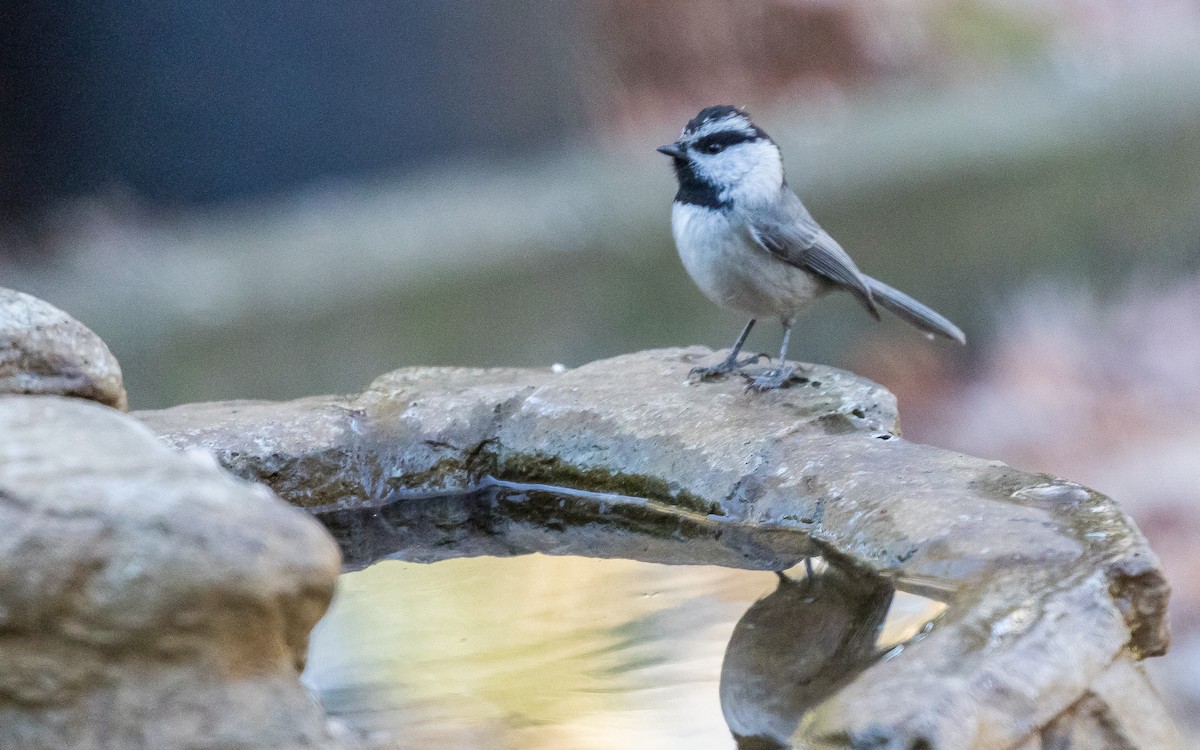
{"x": 749, "y": 172}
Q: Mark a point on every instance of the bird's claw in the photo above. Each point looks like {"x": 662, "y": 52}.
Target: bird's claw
{"x": 771, "y": 379}
{"x": 726, "y": 367}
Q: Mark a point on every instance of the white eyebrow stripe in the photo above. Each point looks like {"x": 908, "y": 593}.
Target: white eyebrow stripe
{"x": 730, "y": 123}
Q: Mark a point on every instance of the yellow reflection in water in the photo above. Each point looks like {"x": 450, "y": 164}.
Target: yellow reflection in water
{"x": 538, "y": 652}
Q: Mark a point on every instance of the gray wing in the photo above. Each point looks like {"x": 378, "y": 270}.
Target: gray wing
{"x": 791, "y": 235}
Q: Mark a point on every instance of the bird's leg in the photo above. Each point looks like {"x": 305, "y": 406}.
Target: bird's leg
{"x": 731, "y": 362}
{"x": 777, "y": 376}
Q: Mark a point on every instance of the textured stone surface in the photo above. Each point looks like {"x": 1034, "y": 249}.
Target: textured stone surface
{"x": 796, "y": 647}
{"x": 149, "y": 599}
{"x": 1049, "y": 583}
{"x": 44, "y": 351}
{"x": 1120, "y": 711}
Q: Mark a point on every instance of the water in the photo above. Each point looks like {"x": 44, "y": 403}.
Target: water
{"x": 572, "y": 652}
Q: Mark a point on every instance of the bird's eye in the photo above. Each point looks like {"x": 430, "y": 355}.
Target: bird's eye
{"x": 711, "y": 148}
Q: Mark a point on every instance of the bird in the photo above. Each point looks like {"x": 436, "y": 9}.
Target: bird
{"x": 751, "y": 246}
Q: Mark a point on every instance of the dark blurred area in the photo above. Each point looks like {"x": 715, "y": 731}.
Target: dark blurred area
{"x": 172, "y": 105}
{"x": 168, "y": 106}
{"x": 186, "y": 104}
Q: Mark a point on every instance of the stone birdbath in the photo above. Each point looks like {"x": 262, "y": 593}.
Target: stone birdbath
{"x": 1052, "y": 595}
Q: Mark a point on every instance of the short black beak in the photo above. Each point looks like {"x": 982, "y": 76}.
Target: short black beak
{"x": 673, "y": 150}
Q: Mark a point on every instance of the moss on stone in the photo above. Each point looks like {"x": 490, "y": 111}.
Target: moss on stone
{"x": 540, "y": 468}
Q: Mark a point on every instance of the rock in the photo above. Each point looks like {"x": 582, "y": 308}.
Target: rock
{"x": 1122, "y": 710}
{"x": 1049, "y": 584}
{"x": 796, "y": 647}
{"x": 148, "y": 599}
{"x": 44, "y": 351}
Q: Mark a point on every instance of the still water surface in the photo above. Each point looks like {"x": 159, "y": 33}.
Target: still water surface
{"x": 554, "y": 652}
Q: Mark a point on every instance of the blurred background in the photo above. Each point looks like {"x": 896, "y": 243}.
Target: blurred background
{"x": 274, "y": 199}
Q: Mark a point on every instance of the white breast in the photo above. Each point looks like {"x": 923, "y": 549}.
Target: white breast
{"x": 733, "y": 271}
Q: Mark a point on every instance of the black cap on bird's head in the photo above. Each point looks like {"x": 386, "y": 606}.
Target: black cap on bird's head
{"x": 714, "y": 129}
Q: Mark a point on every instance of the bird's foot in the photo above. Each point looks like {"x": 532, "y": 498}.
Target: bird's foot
{"x": 724, "y": 368}
{"x": 771, "y": 379}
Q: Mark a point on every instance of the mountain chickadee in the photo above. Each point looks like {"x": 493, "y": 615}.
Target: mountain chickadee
{"x": 751, "y": 245}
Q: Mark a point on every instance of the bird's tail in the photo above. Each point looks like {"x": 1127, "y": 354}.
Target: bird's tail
{"x": 921, "y": 316}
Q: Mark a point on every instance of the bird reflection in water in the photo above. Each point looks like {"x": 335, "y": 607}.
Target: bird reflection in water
{"x": 796, "y": 647}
